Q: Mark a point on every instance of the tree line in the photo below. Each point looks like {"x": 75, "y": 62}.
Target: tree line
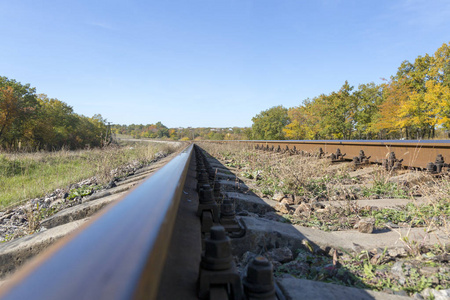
{"x": 34, "y": 121}
{"x": 413, "y": 104}
{"x": 160, "y": 131}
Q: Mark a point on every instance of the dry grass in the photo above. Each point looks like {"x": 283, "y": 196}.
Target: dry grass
{"x": 312, "y": 180}
{"x": 30, "y": 175}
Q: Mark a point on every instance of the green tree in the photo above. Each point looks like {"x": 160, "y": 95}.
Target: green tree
{"x": 369, "y": 98}
{"x": 18, "y": 106}
{"x": 269, "y": 124}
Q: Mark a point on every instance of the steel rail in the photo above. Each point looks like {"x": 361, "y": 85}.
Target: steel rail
{"x": 414, "y": 153}
{"x": 118, "y": 255}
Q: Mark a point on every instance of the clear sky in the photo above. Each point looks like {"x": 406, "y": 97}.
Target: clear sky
{"x": 209, "y": 63}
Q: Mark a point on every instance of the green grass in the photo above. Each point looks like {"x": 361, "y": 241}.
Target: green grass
{"x": 31, "y": 175}
{"x": 383, "y": 188}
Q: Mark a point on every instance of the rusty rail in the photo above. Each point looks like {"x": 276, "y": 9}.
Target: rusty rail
{"x": 118, "y": 255}
{"x": 414, "y": 153}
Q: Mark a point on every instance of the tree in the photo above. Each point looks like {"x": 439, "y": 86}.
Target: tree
{"x": 437, "y": 99}
{"x": 369, "y": 97}
{"x": 303, "y": 122}
{"x": 441, "y": 68}
{"x": 9, "y": 109}
{"x": 269, "y": 124}
{"x": 336, "y": 113}
{"x": 18, "y": 107}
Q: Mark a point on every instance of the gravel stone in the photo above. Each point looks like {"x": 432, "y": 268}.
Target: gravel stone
{"x": 366, "y": 225}
{"x": 278, "y": 197}
{"x": 282, "y": 255}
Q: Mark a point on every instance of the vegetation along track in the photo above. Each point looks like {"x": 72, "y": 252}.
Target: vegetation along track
{"x": 272, "y": 225}
{"x": 408, "y": 153}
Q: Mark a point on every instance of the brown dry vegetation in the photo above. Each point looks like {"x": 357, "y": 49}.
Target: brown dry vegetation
{"x": 313, "y": 184}
{"x": 29, "y": 175}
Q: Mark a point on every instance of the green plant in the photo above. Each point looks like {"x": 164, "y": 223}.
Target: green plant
{"x": 383, "y": 188}
{"x": 82, "y": 191}
{"x": 32, "y": 175}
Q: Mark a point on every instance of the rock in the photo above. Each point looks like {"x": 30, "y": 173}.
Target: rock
{"x": 365, "y": 225}
{"x": 428, "y": 271}
{"x": 397, "y": 271}
{"x": 282, "y": 255}
{"x": 56, "y": 203}
{"x": 397, "y": 252}
{"x": 375, "y": 258}
{"x": 298, "y": 200}
{"x": 291, "y": 199}
{"x": 417, "y": 296}
{"x": 278, "y": 197}
{"x": 302, "y": 208}
{"x": 287, "y": 201}
{"x": 437, "y": 295}
{"x": 282, "y": 208}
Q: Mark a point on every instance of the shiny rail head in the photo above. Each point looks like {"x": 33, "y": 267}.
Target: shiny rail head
{"x": 119, "y": 254}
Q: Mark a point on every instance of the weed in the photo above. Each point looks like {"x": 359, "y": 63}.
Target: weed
{"x": 83, "y": 191}
{"x": 384, "y": 188}
{"x": 32, "y": 175}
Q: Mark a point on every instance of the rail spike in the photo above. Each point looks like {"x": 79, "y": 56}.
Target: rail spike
{"x": 217, "y": 266}
{"x": 234, "y": 227}
{"x": 438, "y": 166}
{"x": 321, "y": 153}
{"x": 362, "y": 159}
{"x": 392, "y": 163}
{"x": 208, "y": 210}
{"x": 259, "y": 283}
{"x": 338, "y": 156}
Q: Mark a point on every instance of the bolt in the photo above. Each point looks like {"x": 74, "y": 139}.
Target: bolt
{"x": 227, "y": 209}
{"x": 259, "y": 283}
{"x": 206, "y": 194}
{"x": 217, "y": 255}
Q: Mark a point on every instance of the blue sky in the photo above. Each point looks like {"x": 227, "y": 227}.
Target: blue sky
{"x": 209, "y": 63}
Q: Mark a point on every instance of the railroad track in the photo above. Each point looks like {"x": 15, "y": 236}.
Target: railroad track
{"x": 422, "y": 155}
{"x": 174, "y": 235}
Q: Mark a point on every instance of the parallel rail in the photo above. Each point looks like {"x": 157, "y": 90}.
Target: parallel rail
{"x": 415, "y": 154}
{"x": 118, "y": 255}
